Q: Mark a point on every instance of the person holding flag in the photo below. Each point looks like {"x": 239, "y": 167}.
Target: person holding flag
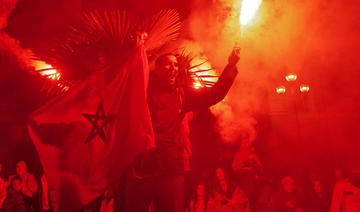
{"x": 168, "y": 103}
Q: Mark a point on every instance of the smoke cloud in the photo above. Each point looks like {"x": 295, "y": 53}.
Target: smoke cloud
{"x": 317, "y": 40}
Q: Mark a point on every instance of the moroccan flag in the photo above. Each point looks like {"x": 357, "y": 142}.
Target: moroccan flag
{"x": 89, "y": 135}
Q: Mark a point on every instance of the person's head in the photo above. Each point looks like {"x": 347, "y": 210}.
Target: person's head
{"x": 21, "y": 168}
{"x": 200, "y": 190}
{"x": 288, "y": 184}
{"x": 317, "y": 186}
{"x": 201, "y": 194}
{"x": 2, "y": 185}
{"x": 167, "y": 68}
{"x": 16, "y": 183}
{"x": 220, "y": 173}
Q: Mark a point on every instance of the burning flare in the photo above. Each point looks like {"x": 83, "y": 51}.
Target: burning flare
{"x": 248, "y": 10}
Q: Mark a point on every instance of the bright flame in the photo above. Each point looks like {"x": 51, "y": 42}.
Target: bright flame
{"x": 207, "y": 73}
{"x": 280, "y": 89}
{"x": 304, "y": 88}
{"x": 291, "y": 77}
{"x": 46, "y": 70}
{"x": 248, "y": 10}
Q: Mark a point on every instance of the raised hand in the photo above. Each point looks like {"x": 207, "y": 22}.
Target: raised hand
{"x": 234, "y": 56}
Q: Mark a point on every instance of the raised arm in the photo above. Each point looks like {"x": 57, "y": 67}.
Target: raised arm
{"x": 206, "y": 97}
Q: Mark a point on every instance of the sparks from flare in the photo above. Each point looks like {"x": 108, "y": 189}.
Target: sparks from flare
{"x": 46, "y": 70}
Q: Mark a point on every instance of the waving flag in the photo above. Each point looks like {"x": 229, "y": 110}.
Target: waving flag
{"x": 89, "y": 135}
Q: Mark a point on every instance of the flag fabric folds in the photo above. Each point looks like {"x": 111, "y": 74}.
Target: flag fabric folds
{"x": 88, "y": 136}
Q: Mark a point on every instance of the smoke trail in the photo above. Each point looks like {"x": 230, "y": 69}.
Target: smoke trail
{"x": 212, "y": 26}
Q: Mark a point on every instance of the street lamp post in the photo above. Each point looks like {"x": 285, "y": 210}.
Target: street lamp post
{"x": 295, "y": 90}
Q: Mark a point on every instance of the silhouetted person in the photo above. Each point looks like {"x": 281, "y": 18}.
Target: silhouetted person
{"x": 11, "y": 200}
{"x": 29, "y": 186}
{"x": 346, "y": 195}
{"x": 227, "y": 195}
{"x": 288, "y": 199}
{"x": 265, "y": 198}
{"x": 201, "y": 200}
{"x": 168, "y": 103}
{"x": 319, "y": 198}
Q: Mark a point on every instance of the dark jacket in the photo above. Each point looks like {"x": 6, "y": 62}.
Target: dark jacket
{"x": 168, "y": 108}
{"x": 14, "y": 202}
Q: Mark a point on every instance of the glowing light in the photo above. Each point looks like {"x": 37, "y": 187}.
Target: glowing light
{"x": 63, "y": 87}
{"x": 197, "y": 85}
{"x": 248, "y": 10}
{"x": 304, "y": 88}
{"x": 204, "y": 75}
{"x": 291, "y": 77}
{"x": 280, "y": 89}
{"x": 46, "y": 70}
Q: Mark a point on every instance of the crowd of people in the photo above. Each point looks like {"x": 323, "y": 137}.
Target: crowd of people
{"x": 225, "y": 193}
{"x": 222, "y": 191}
{"x": 21, "y": 191}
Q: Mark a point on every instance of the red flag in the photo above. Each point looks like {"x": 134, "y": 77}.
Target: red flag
{"x": 88, "y": 136}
